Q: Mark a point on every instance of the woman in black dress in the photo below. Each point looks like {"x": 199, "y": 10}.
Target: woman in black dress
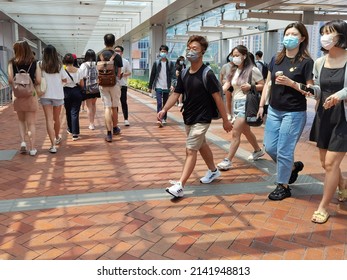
{"x": 329, "y": 128}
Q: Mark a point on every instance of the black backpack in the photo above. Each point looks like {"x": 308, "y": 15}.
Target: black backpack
{"x": 215, "y": 114}
{"x": 265, "y": 69}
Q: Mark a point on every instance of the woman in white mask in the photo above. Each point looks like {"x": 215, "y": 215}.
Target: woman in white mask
{"x": 239, "y": 79}
{"x": 286, "y": 117}
{"x": 329, "y": 128}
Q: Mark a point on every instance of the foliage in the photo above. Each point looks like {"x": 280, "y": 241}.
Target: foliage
{"x": 138, "y": 84}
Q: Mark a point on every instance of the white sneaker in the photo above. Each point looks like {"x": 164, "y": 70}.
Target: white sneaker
{"x": 91, "y": 126}
{"x": 225, "y": 164}
{"x": 33, "y": 152}
{"x": 52, "y": 150}
{"x": 58, "y": 140}
{"x": 256, "y": 155}
{"x": 126, "y": 123}
{"x": 164, "y": 122}
{"x": 210, "y": 176}
{"x": 176, "y": 190}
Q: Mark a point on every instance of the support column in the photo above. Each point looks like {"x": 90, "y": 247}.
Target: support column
{"x": 127, "y": 50}
{"x": 15, "y": 34}
{"x": 225, "y": 50}
{"x": 157, "y": 37}
{"x": 270, "y": 45}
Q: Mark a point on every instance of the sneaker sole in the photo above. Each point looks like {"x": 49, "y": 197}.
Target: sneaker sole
{"x": 223, "y": 168}
{"x": 175, "y": 196}
{"x": 277, "y": 199}
{"x": 209, "y": 182}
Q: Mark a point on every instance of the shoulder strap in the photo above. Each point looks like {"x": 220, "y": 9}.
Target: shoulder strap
{"x": 23, "y": 69}
{"x": 204, "y": 76}
{"x": 113, "y": 56}
{"x": 184, "y": 72}
{"x": 69, "y": 75}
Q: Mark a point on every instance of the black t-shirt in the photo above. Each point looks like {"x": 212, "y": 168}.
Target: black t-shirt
{"x": 285, "y": 98}
{"x": 107, "y": 56}
{"x": 32, "y": 69}
{"x": 198, "y": 102}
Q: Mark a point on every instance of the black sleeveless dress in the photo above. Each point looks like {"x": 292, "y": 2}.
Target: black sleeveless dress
{"x": 329, "y": 128}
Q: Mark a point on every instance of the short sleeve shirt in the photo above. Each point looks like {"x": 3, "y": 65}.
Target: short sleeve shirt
{"x": 238, "y": 94}
{"x": 285, "y": 98}
{"x": 198, "y": 101}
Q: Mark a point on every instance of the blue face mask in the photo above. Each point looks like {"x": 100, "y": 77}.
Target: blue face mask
{"x": 163, "y": 55}
{"x": 181, "y": 62}
{"x": 231, "y": 58}
{"x": 291, "y": 42}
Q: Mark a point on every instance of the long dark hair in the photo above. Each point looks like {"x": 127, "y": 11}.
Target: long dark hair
{"x": 90, "y": 55}
{"x": 50, "y": 61}
{"x": 247, "y": 66}
{"x": 303, "y": 52}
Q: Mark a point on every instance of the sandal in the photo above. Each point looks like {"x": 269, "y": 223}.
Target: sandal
{"x": 319, "y": 217}
{"x": 342, "y": 195}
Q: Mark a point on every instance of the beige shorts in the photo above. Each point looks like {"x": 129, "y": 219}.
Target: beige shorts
{"x": 110, "y": 96}
{"x": 196, "y": 135}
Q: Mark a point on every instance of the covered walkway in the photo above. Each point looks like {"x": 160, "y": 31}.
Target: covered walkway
{"x": 97, "y": 200}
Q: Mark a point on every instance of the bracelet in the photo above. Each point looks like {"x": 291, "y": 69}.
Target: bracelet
{"x": 261, "y": 106}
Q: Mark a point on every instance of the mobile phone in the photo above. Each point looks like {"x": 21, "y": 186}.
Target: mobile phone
{"x": 305, "y": 88}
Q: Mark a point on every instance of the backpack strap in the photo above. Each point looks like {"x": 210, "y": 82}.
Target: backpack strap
{"x": 113, "y": 56}
{"x": 21, "y": 69}
{"x": 204, "y": 76}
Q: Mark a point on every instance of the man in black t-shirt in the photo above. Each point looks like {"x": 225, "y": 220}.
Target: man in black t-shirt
{"x": 111, "y": 95}
{"x": 198, "y": 107}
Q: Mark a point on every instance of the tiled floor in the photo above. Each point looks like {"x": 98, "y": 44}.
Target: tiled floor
{"x": 98, "y": 200}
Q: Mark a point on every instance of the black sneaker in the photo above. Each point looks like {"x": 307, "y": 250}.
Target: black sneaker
{"x": 298, "y": 166}
{"x": 108, "y": 138}
{"x": 280, "y": 193}
{"x": 116, "y": 130}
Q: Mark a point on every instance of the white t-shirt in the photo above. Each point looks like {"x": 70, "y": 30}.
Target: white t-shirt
{"x": 83, "y": 68}
{"x": 162, "y": 79}
{"x": 238, "y": 93}
{"x": 54, "y": 84}
{"x": 77, "y": 77}
{"x": 125, "y": 69}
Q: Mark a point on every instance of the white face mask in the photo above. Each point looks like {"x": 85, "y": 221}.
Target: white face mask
{"x": 327, "y": 41}
{"x": 237, "y": 60}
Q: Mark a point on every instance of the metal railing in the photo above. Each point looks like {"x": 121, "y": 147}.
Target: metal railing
{"x": 5, "y": 95}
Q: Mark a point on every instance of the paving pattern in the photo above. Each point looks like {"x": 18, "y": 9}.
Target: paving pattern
{"x": 97, "y": 200}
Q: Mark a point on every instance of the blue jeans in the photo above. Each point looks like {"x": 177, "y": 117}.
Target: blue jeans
{"x": 282, "y": 132}
{"x": 162, "y": 97}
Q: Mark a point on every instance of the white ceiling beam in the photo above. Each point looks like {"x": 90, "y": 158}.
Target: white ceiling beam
{"x": 236, "y": 30}
{"x": 243, "y": 22}
{"x": 276, "y": 16}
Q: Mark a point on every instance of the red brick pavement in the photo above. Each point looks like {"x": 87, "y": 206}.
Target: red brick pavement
{"x": 243, "y": 226}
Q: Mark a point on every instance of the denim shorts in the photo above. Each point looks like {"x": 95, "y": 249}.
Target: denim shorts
{"x": 50, "y": 101}
{"x": 240, "y": 108}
